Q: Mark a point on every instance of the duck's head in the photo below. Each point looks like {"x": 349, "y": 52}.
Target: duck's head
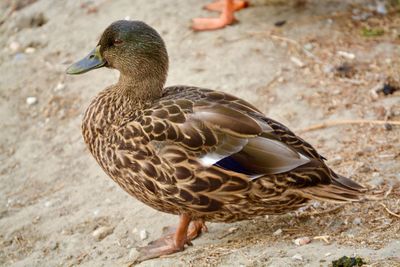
{"x": 132, "y": 47}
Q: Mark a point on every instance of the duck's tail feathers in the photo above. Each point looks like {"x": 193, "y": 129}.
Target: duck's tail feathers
{"x": 341, "y": 190}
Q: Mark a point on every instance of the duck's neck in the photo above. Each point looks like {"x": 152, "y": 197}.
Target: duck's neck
{"x": 141, "y": 90}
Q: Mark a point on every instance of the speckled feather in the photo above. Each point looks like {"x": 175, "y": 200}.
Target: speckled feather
{"x": 155, "y": 151}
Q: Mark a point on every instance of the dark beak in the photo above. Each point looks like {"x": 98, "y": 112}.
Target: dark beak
{"x": 90, "y": 62}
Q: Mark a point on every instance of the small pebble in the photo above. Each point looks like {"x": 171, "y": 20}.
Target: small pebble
{"x": 36, "y": 219}
{"x": 357, "y": 221}
{"x": 346, "y": 54}
{"x": 143, "y": 235}
{"x": 280, "y": 23}
{"x": 374, "y": 94}
{"x": 302, "y": 241}
{"x": 101, "y": 232}
{"x": 59, "y": 87}
{"x": 14, "y": 46}
{"x": 297, "y": 61}
{"x": 30, "y": 50}
{"x": 31, "y": 100}
{"x": 316, "y": 204}
{"x": 308, "y": 46}
{"x": 47, "y": 204}
{"x": 232, "y": 229}
{"x": 277, "y": 232}
{"x": 297, "y": 257}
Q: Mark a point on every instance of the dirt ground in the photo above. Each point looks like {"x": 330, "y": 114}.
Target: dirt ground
{"x": 328, "y": 61}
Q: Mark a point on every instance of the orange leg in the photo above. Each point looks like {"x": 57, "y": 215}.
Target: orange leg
{"x": 220, "y": 4}
{"x": 173, "y": 242}
{"x": 227, "y": 7}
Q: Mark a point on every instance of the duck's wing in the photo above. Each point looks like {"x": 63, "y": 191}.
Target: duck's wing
{"x": 225, "y": 131}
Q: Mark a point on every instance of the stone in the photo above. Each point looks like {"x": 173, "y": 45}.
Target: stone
{"x": 102, "y": 232}
{"x": 31, "y": 100}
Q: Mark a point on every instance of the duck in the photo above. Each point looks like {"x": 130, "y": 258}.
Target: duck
{"x": 201, "y": 154}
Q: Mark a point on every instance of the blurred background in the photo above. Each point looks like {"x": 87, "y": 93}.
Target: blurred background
{"x": 302, "y": 63}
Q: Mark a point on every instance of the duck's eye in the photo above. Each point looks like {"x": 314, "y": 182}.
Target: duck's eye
{"x": 117, "y": 42}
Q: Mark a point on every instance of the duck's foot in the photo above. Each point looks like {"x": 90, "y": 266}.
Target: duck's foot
{"x": 195, "y": 229}
{"x": 227, "y": 7}
{"x": 219, "y": 5}
{"x": 163, "y": 246}
{"x": 172, "y": 241}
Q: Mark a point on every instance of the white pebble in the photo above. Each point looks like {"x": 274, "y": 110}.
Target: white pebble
{"x": 297, "y": 257}
{"x": 134, "y": 230}
{"x": 232, "y": 229}
{"x": 277, "y": 232}
{"x": 9, "y": 202}
{"x": 30, "y": 50}
{"x": 59, "y": 87}
{"x": 302, "y": 241}
{"x": 96, "y": 212}
{"x": 101, "y": 232}
{"x": 297, "y": 61}
{"x": 347, "y": 55}
{"x": 31, "y": 100}
{"x": 143, "y": 235}
{"x": 14, "y": 46}
{"x": 373, "y": 93}
{"x": 316, "y": 204}
{"x": 47, "y": 204}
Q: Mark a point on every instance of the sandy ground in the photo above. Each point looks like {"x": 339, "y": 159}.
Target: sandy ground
{"x": 319, "y": 66}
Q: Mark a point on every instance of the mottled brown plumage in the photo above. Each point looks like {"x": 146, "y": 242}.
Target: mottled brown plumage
{"x": 198, "y": 153}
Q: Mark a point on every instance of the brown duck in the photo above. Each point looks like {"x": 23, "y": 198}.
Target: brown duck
{"x": 198, "y": 153}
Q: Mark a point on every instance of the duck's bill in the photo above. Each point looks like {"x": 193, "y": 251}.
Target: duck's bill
{"x": 90, "y": 62}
